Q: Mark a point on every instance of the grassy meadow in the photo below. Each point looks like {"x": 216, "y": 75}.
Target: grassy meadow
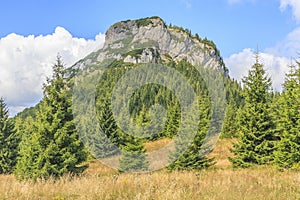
{"x": 218, "y": 182}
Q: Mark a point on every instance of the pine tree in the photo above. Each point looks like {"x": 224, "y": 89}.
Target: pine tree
{"x": 29, "y": 148}
{"x": 229, "y": 129}
{"x": 256, "y": 140}
{"x": 107, "y": 142}
{"x": 9, "y": 141}
{"x": 133, "y": 157}
{"x": 172, "y": 122}
{"x": 56, "y": 139}
{"x": 288, "y": 123}
{"x": 191, "y": 154}
{"x": 133, "y": 154}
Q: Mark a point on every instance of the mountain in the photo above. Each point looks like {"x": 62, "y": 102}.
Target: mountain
{"x": 113, "y": 88}
{"x": 150, "y": 40}
{"x": 185, "y": 75}
{"x": 144, "y": 41}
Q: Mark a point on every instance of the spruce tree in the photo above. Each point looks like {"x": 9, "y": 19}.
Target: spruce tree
{"x": 229, "y": 129}
{"x": 9, "y": 141}
{"x": 173, "y": 121}
{"x": 133, "y": 154}
{"x": 56, "y": 140}
{"x": 133, "y": 158}
{"x": 288, "y": 123}
{"x": 29, "y": 148}
{"x": 194, "y": 155}
{"x": 256, "y": 139}
{"x": 107, "y": 142}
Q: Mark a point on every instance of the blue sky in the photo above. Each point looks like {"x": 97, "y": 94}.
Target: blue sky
{"x": 233, "y": 26}
{"x": 33, "y": 32}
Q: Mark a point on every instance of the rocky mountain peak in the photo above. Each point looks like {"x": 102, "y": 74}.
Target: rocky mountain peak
{"x": 125, "y": 29}
{"x": 151, "y": 40}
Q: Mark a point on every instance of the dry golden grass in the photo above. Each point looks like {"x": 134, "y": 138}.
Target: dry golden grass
{"x": 155, "y": 145}
{"x": 221, "y": 182}
{"x": 221, "y": 152}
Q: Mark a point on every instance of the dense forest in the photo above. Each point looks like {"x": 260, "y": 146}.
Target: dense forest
{"x": 43, "y": 141}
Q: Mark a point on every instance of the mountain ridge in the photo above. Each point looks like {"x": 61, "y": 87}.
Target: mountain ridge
{"x": 150, "y": 40}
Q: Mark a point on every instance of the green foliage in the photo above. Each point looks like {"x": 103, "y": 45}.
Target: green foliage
{"x": 191, "y": 154}
{"x": 9, "y": 141}
{"x": 29, "y": 148}
{"x": 140, "y": 102}
{"x": 143, "y": 22}
{"x": 234, "y": 102}
{"x": 54, "y": 148}
{"x": 197, "y": 37}
{"x": 257, "y": 139}
{"x": 230, "y": 128}
{"x": 194, "y": 156}
{"x": 209, "y": 43}
{"x": 107, "y": 145}
{"x": 133, "y": 156}
{"x": 168, "y": 56}
{"x": 288, "y": 123}
{"x": 28, "y": 112}
{"x": 136, "y": 53}
{"x": 172, "y": 123}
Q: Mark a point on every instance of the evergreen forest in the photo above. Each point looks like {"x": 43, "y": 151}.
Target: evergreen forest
{"x": 43, "y": 141}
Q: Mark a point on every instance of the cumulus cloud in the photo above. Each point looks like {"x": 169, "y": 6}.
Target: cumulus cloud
{"x": 276, "y": 59}
{"x": 275, "y": 66}
{"x": 294, "y": 4}
{"x": 239, "y": 63}
{"x": 25, "y": 62}
{"x": 289, "y": 47}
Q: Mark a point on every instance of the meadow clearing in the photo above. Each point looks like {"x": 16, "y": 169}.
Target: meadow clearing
{"x": 218, "y": 182}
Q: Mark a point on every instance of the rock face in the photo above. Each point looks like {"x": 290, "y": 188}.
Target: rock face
{"x": 150, "y": 40}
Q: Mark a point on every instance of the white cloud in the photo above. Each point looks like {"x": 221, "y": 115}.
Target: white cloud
{"x": 294, "y": 4}
{"x": 239, "y": 64}
{"x": 289, "y": 47}
{"x": 275, "y": 59}
{"x": 25, "y": 62}
{"x": 276, "y": 67}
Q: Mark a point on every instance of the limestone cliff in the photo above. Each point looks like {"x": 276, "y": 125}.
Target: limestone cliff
{"x": 151, "y": 40}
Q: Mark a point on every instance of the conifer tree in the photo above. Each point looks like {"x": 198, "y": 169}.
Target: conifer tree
{"x": 29, "y": 148}
{"x": 108, "y": 140}
{"x": 256, "y": 139}
{"x": 133, "y": 154}
{"x": 56, "y": 140}
{"x": 229, "y": 129}
{"x": 288, "y": 123}
{"x": 9, "y": 141}
{"x": 172, "y": 122}
{"x": 133, "y": 157}
{"x": 194, "y": 155}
